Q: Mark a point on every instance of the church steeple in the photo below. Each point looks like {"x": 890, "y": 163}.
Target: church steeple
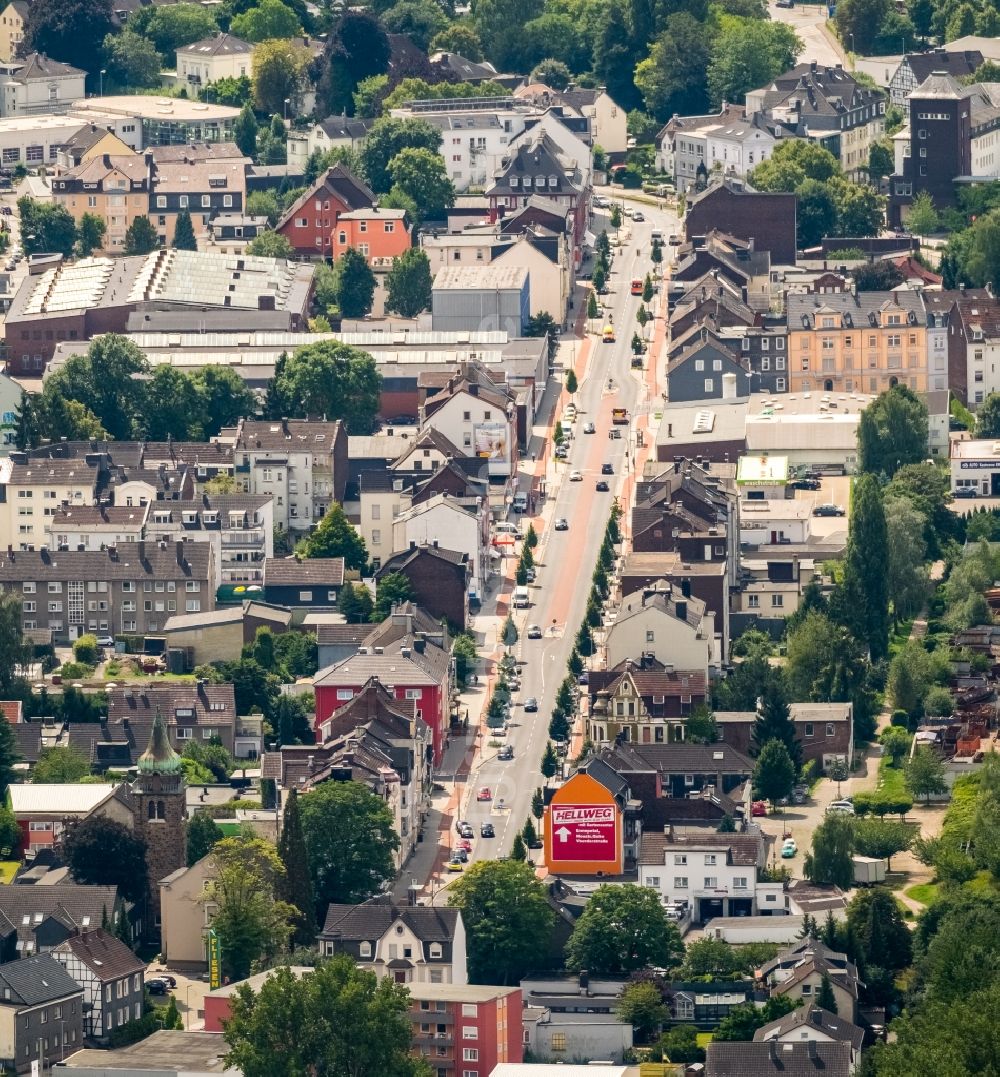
{"x": 159, "y": 757}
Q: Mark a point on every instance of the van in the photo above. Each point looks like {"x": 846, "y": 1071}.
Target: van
{"x": 521, "y": 600}
{"x": 520, "y": 503}
{"x": 505, "y": 527}
{"x": 656, "y": 236}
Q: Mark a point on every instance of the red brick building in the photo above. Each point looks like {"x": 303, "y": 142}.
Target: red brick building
{"x": 378, "y": 234}
{"x": 466, "y": 1031}
{"x": 311, "y": 221}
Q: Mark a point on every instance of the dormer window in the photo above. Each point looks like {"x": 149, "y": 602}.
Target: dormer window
{"x": 513, "y": 181}
{"x": 553, "y": 181}
{"x": 365, "y": 949}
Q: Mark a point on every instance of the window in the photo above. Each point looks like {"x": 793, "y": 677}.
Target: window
{"x": 777, "y": 601}
{"x": 809, "y": 729}
{"x": 710, "y": 860}
{"x": 829, "y": 729}
{"x": 653, "y": 881}
{"x": 365, "y": 949}
{"x": 469, "y": 1010}
{"x": 711, "y": 882}
{"x": 740, "y": 882}
{"x": 680, "y": 858}
{"x": 182, "y": 201}
{"x": 470, "y": 1054}
{"x": 470, "y": 1032}
{"x": 558, "y": 1041}
{"x": 709, "y": 385}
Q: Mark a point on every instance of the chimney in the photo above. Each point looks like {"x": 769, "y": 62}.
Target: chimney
{"x": 686, "y": 588}
{"x": 411, "y": 895}
{"x": 812, "y": 1049}
{"x": 816, "y": 1016}
{"x": 141, "y": 550}
{"x": 420, "y": 645}
{"x": 682, "y": 610}
{"x": 180, "y": 551}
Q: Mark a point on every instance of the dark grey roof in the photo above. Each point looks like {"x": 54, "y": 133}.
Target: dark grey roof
{"x": 959, "y": 64}
{"x": 399, "y": 561}
{"x": 341, "y": 127}
{"x": 219, "y": 45}
{"x": 34, "y": 980}
{"x": 37, "y": 65}
{"x": 370, "y": 920}
{"x": 862, "y": 310}
{"x": 679, "y": 758}
{"x": 835, "y": 1026}
{"x": 293, "y": 572}
{"x": 77, "y": 905}
{"x": 788, "y": 1059}
{"x": 107, "y": 957}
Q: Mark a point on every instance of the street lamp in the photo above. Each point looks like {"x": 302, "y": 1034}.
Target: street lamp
{"x": 288, "y": 101}
{"x": 104, "y": 71}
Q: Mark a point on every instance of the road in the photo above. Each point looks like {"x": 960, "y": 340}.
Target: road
{"x": 809, "y": 22}
{"x": 566, "y": 559}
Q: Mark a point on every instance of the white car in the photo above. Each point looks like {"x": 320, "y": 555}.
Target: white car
{"x": 576, "y": 476}
{"x": 840, "y": 807}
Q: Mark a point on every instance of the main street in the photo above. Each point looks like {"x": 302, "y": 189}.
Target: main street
{"x": 566, "y": 559}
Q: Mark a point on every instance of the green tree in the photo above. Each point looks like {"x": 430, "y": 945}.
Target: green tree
{"x": 748, "y": 53}
{"x": 357, "y": 47}
{"x": 641, "y": 1006}
{"x": 882, "y": 838}
{"x": 386, "y": 139}
{"x": 830, "y": 862}
{"x": 774, "y": 772}
{"x": 678, "y": 1044}
{"x": 825, "y": 998}
{"x": 673, "y": 77}
{"x": 355, "y": 284}
{"x": 140, "y": 237}
{"x": 817, "y": 212}
{"x": 518, "y": 852}
{"x": 500, "y": 25}
{"x": 925, "y": 774}
{"x": 172, "y": 406}
{"x": 774, "y": 722}
{"x": 104, "y": 852}
{"x": 268, "y": 20}
{"x": 550, "y": 762}
{"x": 392, "y": 589}
{"x": 278, "y": 70}
{"x": 529, "y": 833}
{"x": 421, "y": 176}
{"x": 552, "y": 73}
{"x": 623, "y": 929}
{"x": 10, "y": 833}
{"x": 792, "y": 163}
{"x": 86, "y": 650}
{"x": 355, "y": 603}
{"x": 460, "y": 38}
{"x": 880, "y": 160}
{"x": 335, "y": 536}
{"x": 408, "y": 284}
{"x": 507, "y": 917}
{"x": 295, "y": 885}
{"x": 270, "y": 244}
{"x": 895, "y": 744}
{"x": 245, "y": 137}
{"x": 224, "y": 397}
{"x": 742, "y": 1022}
{"x": 169, "y": 30}
{"x": 132, "y": 60}
{"x": 892, "y": 432}
{"x": 876, "y": 923}
{"x": 60, "y": 766}
{"x": 908, "y": 576}
{"x": 328, "y": 378}
{"x": 863, "y": 599}
{"x": 922, "y": 219}
{"x": 419, "y": 20}
{"x": 350, "y": 841}
{"x": 72, "y": 30}
{"x": 202, "y": 834}
{"x": 337, "y": 1019}
{"x": 860, "y": 22}
{"x": 184, "y": 239}
{"x": 46, "y": 227}
{"x": 988, "y": 417}
{"x": 860, "y": 208}
{"x": 90, "y": 234}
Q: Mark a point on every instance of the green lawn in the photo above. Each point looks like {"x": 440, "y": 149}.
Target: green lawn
{"x": 704, "y": 1039}
{"x": 899, "y": 636}
{"x": 891, "y": 780}
{"x": 924, "y": 893}
{"x": 8, "y": 869}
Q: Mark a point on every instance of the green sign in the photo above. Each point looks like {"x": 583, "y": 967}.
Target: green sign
{"x": 214, "y": 960}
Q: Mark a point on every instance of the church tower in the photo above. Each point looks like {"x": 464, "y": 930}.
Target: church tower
{"x": 159, "y": 815}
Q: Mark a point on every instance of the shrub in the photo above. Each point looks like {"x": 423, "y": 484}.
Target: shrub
{"x": 86, "y": 651}
{"x": 72, "y": 671}
{"x": 901, "y": 719}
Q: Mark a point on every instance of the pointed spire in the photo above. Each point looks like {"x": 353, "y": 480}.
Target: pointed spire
{"x": 159, "y": 757}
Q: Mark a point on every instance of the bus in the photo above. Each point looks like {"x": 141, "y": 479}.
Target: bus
{"x": 637, "y": 286}
{"x": 609, "y": 334}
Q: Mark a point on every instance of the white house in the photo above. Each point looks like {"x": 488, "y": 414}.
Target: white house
{"x": 111, "y": 976}
{"x": 608, "y": 120}
{"x": 676, "y": 630}
{"x": 548, "y": 281}
{"x": 37, "y": 85}
{"x": 219, "y": 57}
{"x": 726, "y": 142}
{"x": 446, "y": 521}
{"x": 718, "y": 874}
{"x": 335, "y": 132}
{"x": 811, "y": 1024}
{"x": 774, "y": 522}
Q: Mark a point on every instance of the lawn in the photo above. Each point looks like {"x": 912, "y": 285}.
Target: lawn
{"x": 704, "y": 1039}
{"x": 898, "y": 637}
{"x": 8, "y": 869}
{"x": 891, "y": 780}
{"x": 924, "y": 893}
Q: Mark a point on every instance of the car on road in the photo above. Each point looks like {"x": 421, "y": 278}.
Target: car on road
{"x": 454, "y": 865}
{"x": 576, "y": 476}
{"x": 602, "y": 486}
{"x": 506, "y": 752}
{"x": 460, "y": 854}
{"x": 607, "y": 469}
{"x": 529, "y": 574}
{"x": 105, "y": 641}
{"x": 465, "y": 844}
{"x": 784, "y": 3}
{"x": 829, "y": 510}
{"x": 561, "y": 524}
{"x": 487, "y": 831}
{"x": 601, "y": 201}
{"x": 966, "y": 491}
{"x": 562, "y": 451}
{"x": 674, "y": 240}
{"x": 758, "y": 807}
{"x": 789, "y": 848}
{"x": 615, "y": 434}
{"x": 840, "y": 807}
{"x": 589, "y": 428}
{"x": 637, "y": 215}
{"x": 807, "y": 484}
{"x": 485, "y": 793}
{"x": 157, "y": 986}
{"x": 534, "y": 631}
{"x": 467, "y": 831}
{"x": 531, "y": 705}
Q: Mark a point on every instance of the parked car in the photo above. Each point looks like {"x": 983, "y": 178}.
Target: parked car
{"x": 584, "y": 678}
{"x": 806, "y": 484}
{"x": 966, "y": 491}
{"x": 589, "y": 428}
{"x": 506, "y": 752}
{"x": 105, "y": 641}
{"x": 454, "y": 865}
{"x": 789, "y": 848}
{"x": 531, "y": 704}
{"x": 562, "y": 451}
{"x": 602, "y": 486}
{"x": 529, "y": 575}
{"x": 487, "y": 831}
{"x": 576, "y": 476}
{"x": 460, "y": 854}
{"x": 638, "y": 215}
{"x": 674, "y": 240}
{"x": 485, "y": 793}
{"x": 829, "y": 510}
{"x": 840, "y": 807}
{"x": 615, "y": 434}
{"x": 758, "y": 807}
{"x": 562, "y": 524}
{"x": 534, "y": 631}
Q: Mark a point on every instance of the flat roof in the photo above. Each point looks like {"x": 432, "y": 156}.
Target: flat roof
{"x": 774, "y": 509}
{"x": 256, "y": 982}
{"x": 479, "y": 278}
{"x": 456, "y": 992}
{"x": 161, "y": 1053}
{"x": 976, "y": 449}
{"x": 156, "y": 108}
{"x": 762, "y": 470}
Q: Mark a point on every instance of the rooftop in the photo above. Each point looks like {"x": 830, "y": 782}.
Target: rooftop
{"x": 162, "y": 1053}
{"x": 476, "y": 278}
{"x": 35, "y": 799}
{"x": 177, "y": 109}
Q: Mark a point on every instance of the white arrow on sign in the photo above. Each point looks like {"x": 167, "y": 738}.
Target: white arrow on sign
{"x": 563, "y": 833}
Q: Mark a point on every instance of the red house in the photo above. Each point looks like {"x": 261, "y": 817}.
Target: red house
{"x": 467, "y": 1030}
{"x": 410, "y": 655}
{"x": 311, "y": 220}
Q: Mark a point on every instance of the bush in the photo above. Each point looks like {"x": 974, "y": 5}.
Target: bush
{"x": 863, "y": 804}
{"x": 86, "y": 651}
{"x": 75, "y": 671}
{"x": 901, "y": 719}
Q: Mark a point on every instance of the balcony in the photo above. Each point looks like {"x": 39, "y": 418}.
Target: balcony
{"x": 243, "y": 539}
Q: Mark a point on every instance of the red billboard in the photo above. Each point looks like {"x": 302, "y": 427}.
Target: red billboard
{"x": 585, "y": 832}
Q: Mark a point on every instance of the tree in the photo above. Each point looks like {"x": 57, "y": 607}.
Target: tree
{"x": 224, "y": 397}
{"x": 552, "y": 73}
{"x": 860, "y": 21}
{"x": 245, "y": 137}
{"x": 792, "y": 163}
{"x": 507, "y": 917}
{"x": 354, "y": 283}
{"x": 90, "y": 234}
{"x": 743, "y": 1021}
{"x": 355, "y": 603}
{"x": 408, "y": 284}
{"x": 86, "y": 650}
{"x": 270, "y": 244}
{"x": 387, "y": 138}
{"x": 895, "y": 744}
{"x": 908, "y": 577}
{"x": 335, "y": 536}
{"x": 988, "y": 417}
{"x": 922, "y": 219}
{"x": 278, "y": 70}
{"x": 419, "y": 20}
{"x": 182, "y": 25}
{"x": 46, "y": 227}
{"x": 876, "y": 923}
{"x": 550, "y": 762}
{"x": 593, "y": 311}
{"x": 774, "y": 772}
{"x": 537, "y": 804}
{"x": 172, "y": 407}
{"x": 60, "y": 766}
{"x": 10, "y": 833}
{"x": 203, "y": 832}
{"x": 774, "y": 722}
{"x": 331, "y": 379}
{"x": 882, "y": 838}
{"x": 571, "y": 383}
{"x": 337, "y": 1019}
{"x": 184, "y": 239}
{"x": 678, "y": 1044}
{"x": 641, "y": 1006}
{"x": 500, "y": 25}
{"x": 350, "y": 841}
{"x": 892, "y": 432}
{"x": 925, "y": 774}
{"x": 830, "y": 862}
{"x": 860, "y": 208}
{"x": 862, "y": 602}
{"x": 132, "y": 59}
{"x": 357, "y": 47}
{"x": 518, "y": 852}
{"x": 104, "y": 852}
{"x": 749, "y": 53}
{"x": 459, "y": 38}
{"x": 880, "y": 160}
{"x": 393, "y": 589}
{"x": 672, "y": 78}
{"x": 817, "y": 213}
{"x": 268, "y": 20}
{"x": 295, "y": 886}
{"x": 530, "y": 834}
{"x": 623, "y": 929}
{"x": 140, "y": 237}
{"x": 69, "y": 30}
{"x": 825, "y": 998}
{"x": 421, "y": 176}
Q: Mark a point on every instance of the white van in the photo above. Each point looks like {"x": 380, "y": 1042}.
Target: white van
{"x": 656, "y": 236}
{"x": 521, "y": 600}
{"x": 505, "y": 527}
{"x": 520, "y": 502}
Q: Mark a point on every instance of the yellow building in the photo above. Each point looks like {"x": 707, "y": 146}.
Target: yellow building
{"x": 12, "y": 28}
{"x": 866, "y": 343}
{"x": 89, "y": 142}
{"x": 116, "y": 189}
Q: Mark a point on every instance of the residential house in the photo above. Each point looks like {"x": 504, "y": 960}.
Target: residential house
{"x": 641, "y": 703}
{"x": 112, "y": 978}
{"x": 409, "y": 653}
{"x": 197, "y": 712}
{"x": 229, "y": 233}
{"x": 546, "y": 258}
{"x": 439, "y": 580}
{"x": 43, "y": 811}
{"x": 730, "y": 257}
{"x": 34, "y": 490}
{"x": 972, "y": 320}
{"x": 90, "y": 141}
{"x": 38, "y": 85}
{"x": 772, "y": 586}
{"x": 310, "y": 222}
{"x": 845, "y": 343}
{"x": 490, "y": 1019}
{"x": 413, "y": 944}
{"x": 296, "y": 582}
{"x": 95, "y": 527}
{"x": 738, "y": 210}
{"x": 203, "y": 180}
{"x": 462, "y": 525}
{"x": 184, "y": 916}
{"x": 940, "y": 380}
{"x": 718, "y": 874}
{"x": 775, "y": 521}
{"x": 798, "y": 971}
{"x": 335, "y": 132}
{"x": 705, "y": 1003}
{"x": 766, "y": 1059}
{"x": 220, "y": 636}
{"x": 37, "y": 918}
{"x": 380, "y": 235}
{"x": 826, "y": 104}
{"x": 679, "y": 770}
{"x": 916, "y": 67}
{"x": 221, "y": 56}
{"x": 300, "y": 463}
{"x": 12, "y": 29}
{"x": 608, "y": 120}
{"x": 669, "y": 626}
{"x": 701, "y": 367}
{"x": 481, "y": 298}
{"x": 825, "y": 731}
{"x": 811, "y": 1024}
{"x": 456, "y": 68}
{"x": 41, "y": 1013}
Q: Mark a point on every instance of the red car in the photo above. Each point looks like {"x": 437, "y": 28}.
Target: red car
{"x": 484, "y": 793}
{"x": 759, "y": 807}
{"x": 466, "y": 845}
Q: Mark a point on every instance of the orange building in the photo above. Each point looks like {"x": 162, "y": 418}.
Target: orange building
{"x": 375, "y": 233}
{"x": 584, "y": 829}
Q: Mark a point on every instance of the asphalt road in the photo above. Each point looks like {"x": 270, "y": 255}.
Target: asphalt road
{"x": 808, "y": 21}
{"x": 567, "y": 558}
